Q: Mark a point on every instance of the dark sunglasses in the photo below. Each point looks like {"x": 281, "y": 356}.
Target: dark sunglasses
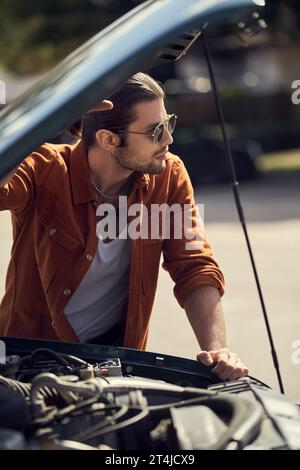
{"x": 159, "y": 130}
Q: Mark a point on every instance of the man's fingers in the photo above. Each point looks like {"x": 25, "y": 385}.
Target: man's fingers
{"x": 222, "y": 362}
{"x": 232, "y": 371}
{"x": 239, "y": 372}
{"x": 205, "y": 358}
{"x": 228, "y": 365}
{"x": 234, "y": 374}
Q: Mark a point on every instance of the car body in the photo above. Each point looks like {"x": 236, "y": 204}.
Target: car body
{"x": 163, "y": 403}
{"x": 205, "y": 162}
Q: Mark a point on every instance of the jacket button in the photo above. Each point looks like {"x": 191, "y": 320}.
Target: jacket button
{"x": 67, "y": 292}
{"x": 52, "y": 231}
{"x": 89, "y": 257}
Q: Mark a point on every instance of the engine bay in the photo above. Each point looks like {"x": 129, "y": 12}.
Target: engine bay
{"x": 56, "y": 400}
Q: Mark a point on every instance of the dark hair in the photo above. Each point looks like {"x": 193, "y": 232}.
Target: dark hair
{"x": 140, "y": 87}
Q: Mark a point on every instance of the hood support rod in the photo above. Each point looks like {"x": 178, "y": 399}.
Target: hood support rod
{"x": 235, "y": 187}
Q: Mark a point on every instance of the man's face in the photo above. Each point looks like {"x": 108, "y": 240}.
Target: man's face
{"x": 141, "y": 153}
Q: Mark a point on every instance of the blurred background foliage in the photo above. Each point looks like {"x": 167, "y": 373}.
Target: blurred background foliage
{"x": 35, "y": 35}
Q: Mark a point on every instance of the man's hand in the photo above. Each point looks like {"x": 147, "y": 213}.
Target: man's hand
{"x": 228, "y": 365}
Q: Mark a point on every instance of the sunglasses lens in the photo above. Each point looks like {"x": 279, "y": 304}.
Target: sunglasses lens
{"x": 160, "y": 129}
{"x": 172, "y": 123}
{"x": 158, "y": 133}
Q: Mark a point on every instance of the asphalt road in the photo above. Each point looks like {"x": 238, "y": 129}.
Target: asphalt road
{"x": 273, "y": 211}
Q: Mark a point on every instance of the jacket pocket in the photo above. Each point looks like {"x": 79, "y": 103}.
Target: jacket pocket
{"x": 59, "y": 232}
{"x": 55, "y": 245}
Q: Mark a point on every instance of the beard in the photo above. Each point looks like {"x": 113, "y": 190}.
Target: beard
{"x": 122, "y": 158}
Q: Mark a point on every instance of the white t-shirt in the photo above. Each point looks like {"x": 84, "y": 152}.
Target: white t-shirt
{"x": 102, "y": 294}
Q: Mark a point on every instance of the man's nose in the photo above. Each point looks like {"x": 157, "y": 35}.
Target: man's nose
{"x": 167, "y": 137}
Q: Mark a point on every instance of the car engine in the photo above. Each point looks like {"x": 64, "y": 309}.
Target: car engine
{"x": 55, "y": 400}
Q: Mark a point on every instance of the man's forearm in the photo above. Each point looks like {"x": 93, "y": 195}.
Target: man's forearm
{"x": 205, "y": 313}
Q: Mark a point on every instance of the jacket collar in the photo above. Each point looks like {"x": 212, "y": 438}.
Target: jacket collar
{"x": 142, "y": 180}
{"x": 82, "y": 190}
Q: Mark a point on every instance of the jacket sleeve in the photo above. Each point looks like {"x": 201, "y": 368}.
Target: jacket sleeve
{"x": 18, "y": 194}
{"x": 187, "y": 253}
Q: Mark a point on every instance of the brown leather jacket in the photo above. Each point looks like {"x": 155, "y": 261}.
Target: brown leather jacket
{"x": 53, "y": 211}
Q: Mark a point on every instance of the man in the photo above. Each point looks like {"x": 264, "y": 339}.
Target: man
{"x": 63, "y": 281}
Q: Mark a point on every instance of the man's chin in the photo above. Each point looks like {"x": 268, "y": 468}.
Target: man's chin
{"x": 155, "y": 168}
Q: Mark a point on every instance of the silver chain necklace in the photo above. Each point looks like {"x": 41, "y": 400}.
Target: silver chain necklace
{"x": 102, "y": 193}
{"x": 107, "y": 196}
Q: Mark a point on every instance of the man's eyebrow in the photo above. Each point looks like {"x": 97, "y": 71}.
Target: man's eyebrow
{"x": 152, "y": 126}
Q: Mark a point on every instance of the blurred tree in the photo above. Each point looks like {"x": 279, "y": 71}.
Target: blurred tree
{"x": 36, "y": 35}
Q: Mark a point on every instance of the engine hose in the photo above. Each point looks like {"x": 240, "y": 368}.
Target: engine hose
{"x": 47, "y": 352}
{"x": 19, "y": 387}
{"x": 86, "y": 389}
{"x": 244, "y": 423}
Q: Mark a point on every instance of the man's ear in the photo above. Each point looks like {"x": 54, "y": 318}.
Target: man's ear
{"x": 107, "y": 140}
